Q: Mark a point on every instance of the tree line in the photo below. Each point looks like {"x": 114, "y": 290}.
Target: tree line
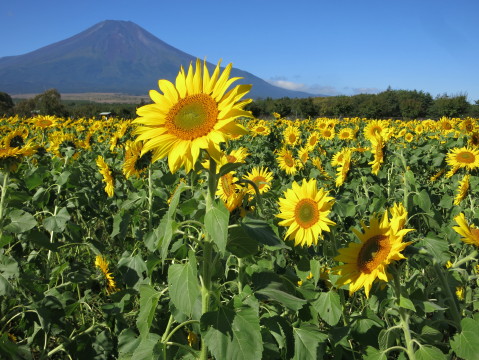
{"x": 50, "y": 103}
{"x": 397, "y": 104}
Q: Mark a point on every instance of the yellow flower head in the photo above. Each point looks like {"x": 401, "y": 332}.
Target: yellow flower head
{"x": 462, "y": 189}
{"x": 380, "y": 244}
{"x": 287, "y": 162}
{"x": 102, "y": 264}
{"x": 305, "y": 210}
{"x": 197, "y": 112}
{"x": 463, "y": 158}
{"x": 261, "y": 177}
{"x": 469, "y": 233}
{"x": 107, "y": 176}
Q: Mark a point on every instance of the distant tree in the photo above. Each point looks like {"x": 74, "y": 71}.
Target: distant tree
{"x": 6, "y": 104}
{"x": 371, "y": 108}
{"x": 474, "y": 110}
{"x": 49, "y": 103}
{"x": 455, "y": 106}
{"x": 282, "y": 106}
{"x": 25, "y": 108}
{"x": 388, "y": 104}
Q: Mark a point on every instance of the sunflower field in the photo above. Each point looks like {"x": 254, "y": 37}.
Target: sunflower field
{"x": 197, "y": 231}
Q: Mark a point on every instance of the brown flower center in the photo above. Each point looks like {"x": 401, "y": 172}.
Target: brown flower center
{"x": 373, "y": 252}
{"x": 288, "y": 160}
{"x": 192, "y": 117}
{"x": 465, "y": 157}
{"x": 306, "y": 213}
{"x": 260, "y": 181}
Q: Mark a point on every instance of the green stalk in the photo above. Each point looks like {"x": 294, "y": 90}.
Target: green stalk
{"x": 3, "y": 197}
{"x": 403, "y": 317}
{"x": 150, "y": 199}
{"x": 240, "y": 275}
{"x": 207, "y": 253}
{"x": 453, "y": 308}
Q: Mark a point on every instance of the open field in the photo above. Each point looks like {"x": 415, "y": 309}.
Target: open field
{"x": 95, "y": 97}
{"x": 310, "y": 238}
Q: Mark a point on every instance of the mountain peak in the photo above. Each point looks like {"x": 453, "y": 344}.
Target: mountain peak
{"x": 111, "y": 56}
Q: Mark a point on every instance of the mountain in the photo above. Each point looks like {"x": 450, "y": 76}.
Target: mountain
{"x": 113, "y": 57}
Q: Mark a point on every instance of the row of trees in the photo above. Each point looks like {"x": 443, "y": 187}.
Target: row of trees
{"x": 404, "y": 104}
{"x": 50, "y": 103}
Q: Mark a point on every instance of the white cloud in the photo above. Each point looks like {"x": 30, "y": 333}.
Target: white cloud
{"x": 288, "y": 85}
{"x": 282, "y": 82}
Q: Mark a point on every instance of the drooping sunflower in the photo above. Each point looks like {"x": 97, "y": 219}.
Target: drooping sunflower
{"x": 380, "y": 244}
{"x": 463, "y": 158}
{"x": 135, "y": 164}
{"x": 102, "y": 264}
{"x": 262, "y": 177}
{"x": 305, "y": 209}
{"x": 10, "y": 157}
{"x": 462, "y": 189}
{"x": 287, "y": 162}
{"x": 303, "y": 154}
{"x": 227, "y": 186}
{"x": 238, "y": 155}
{"x": 107, "y": 176}
{"x": 343, "y": 168}
{"x": 377, "y": 151}
{"x": 197, "y": 112}
{"x": 469, "y": 233}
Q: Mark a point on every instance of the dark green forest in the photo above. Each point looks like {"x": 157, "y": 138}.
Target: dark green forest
{"x": 396, "y": 104}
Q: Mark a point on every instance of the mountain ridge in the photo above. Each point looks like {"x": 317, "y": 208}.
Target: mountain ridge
{"x": 111, "y": 56}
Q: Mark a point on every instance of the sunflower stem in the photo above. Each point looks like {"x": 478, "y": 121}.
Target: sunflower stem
{"x": 3, "y": 197}
{"x": 240, "y": 275}
{"x": 453, "y": 308}
{"x": 403, "y": 316}
{"x": 207, "y": 253}
{"x": 150, "y": 198}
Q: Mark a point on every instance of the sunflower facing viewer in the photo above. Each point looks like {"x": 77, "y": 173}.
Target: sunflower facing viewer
{"x": 305, "y": 210}
{"x": 197, "y": 112}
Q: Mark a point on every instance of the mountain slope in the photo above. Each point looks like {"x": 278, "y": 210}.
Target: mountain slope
{"x": 111, "y": 56}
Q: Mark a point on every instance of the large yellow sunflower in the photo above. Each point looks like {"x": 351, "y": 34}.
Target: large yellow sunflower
{"x": 469, "y": 233}
{"x": 463, "y": 158}
{"x": 380, "y": 244}
{"x": 197, "y": 112}
{"x": 305, "y": 209}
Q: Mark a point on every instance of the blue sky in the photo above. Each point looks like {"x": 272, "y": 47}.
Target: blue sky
{"x": 326, "y": 47}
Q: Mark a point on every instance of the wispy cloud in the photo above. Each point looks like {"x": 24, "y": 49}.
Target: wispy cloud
{"x": 298, "y": 86}
{"x": 282, "y": 82}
